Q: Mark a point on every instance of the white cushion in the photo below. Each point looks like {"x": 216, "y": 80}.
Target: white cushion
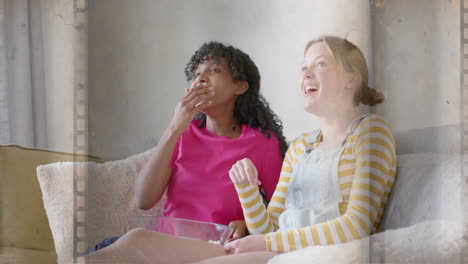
{"x": 428, "y": 187}
{"x": 109, "y": 206}
{"x": 426, "y": 242}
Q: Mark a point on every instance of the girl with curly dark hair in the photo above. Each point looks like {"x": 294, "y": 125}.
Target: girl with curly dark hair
{"x": 221, "y": 119}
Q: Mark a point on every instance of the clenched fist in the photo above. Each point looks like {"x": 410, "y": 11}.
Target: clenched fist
{"x": 243, "y": 172}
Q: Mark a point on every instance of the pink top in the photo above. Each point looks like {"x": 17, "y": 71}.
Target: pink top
{"x": 200, "y": 187}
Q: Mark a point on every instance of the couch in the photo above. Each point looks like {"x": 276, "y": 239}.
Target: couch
{"x": 25, "y": 234}
{"x": 424, "y": 219}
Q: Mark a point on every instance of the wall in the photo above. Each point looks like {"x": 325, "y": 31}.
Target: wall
{"x": 58, "y": 44}
{"x": 417, "y": 51}
{"x": 138, "y": 50}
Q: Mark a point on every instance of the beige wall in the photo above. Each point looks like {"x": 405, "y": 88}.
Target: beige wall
{"x": 417, "y": 54}
{"x": 58, "y": 50}
{"x": 138, "y": 50}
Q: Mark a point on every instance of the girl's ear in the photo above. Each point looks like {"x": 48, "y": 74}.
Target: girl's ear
{"x": 353, "y": 80}
{"x": 242, "y": 87}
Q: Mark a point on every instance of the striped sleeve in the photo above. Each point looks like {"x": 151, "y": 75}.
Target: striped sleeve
{"x": 260, "y": 220}
{"x": 374, "y": 150}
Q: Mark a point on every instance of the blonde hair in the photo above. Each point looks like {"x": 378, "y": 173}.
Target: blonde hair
{"x": 353, "y": 60}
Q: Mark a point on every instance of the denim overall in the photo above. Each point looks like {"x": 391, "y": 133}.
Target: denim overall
{"x": 314, "y": 191}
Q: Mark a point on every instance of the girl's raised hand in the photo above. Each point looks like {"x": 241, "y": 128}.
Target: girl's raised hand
{"x": 195, "y": 99}
{"x": 243, "y": 172}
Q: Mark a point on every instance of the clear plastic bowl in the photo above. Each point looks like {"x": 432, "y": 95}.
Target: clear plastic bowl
{"x": 214, "y": 233}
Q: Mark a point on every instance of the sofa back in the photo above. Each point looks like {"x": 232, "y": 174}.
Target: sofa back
{"x": 429, "y": 183}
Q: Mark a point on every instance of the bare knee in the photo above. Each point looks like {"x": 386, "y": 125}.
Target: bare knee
{"x": 137, "y": 232}
{"x": 133, "y": 235}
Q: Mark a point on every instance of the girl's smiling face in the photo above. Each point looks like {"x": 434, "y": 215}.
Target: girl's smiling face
{"x": 323, "y": 81}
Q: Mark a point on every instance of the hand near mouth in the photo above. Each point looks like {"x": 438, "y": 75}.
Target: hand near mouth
{"x": 195, "y": 99}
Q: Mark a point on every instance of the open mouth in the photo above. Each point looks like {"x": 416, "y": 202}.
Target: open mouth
{"x": 310, "y": 89}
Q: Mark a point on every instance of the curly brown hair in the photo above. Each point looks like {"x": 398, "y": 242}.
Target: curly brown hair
{"x": 251, "y": 108}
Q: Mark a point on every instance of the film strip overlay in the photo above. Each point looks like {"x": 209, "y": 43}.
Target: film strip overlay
{"x": 372, "y": 251}
{"x": 80, "y": 124}
{"x": 464, "y": 113}
{"x": 4, "y": 119}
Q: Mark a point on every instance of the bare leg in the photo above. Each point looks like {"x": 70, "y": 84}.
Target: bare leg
{"x": 144, "y": 246}
{"x": 244, "y": 258}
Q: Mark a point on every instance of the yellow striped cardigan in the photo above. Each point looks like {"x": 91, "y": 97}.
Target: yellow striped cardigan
{"x": 366, "y": 172}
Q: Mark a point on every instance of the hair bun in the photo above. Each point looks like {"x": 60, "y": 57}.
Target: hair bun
{"x": 371, "y": 97}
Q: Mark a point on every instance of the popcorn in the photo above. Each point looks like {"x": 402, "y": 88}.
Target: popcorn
{"x": 216, "y": 242}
